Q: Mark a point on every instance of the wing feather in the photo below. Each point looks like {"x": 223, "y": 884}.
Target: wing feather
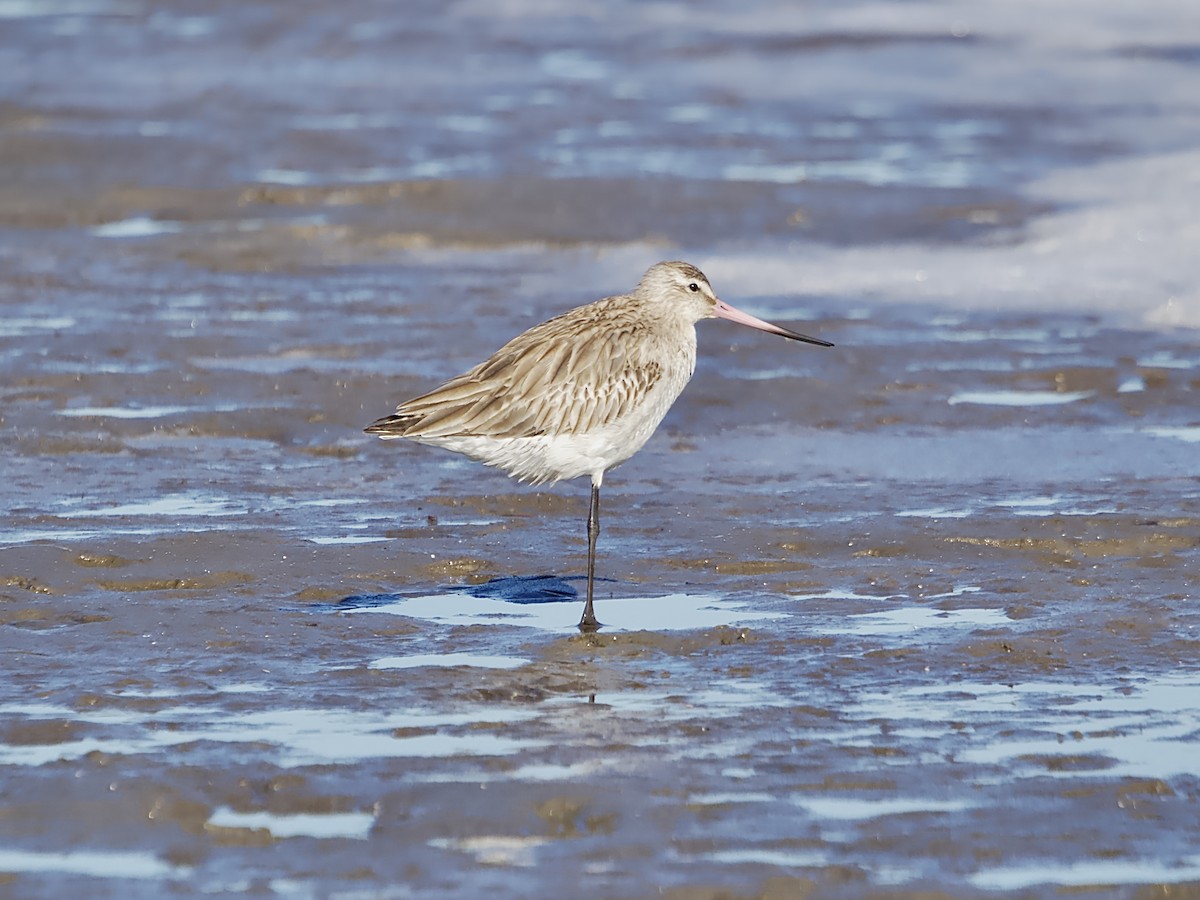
{"x": 576, "y": 372}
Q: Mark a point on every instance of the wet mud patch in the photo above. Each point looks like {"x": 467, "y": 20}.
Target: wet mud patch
{"x": 910, "y": 617}
{"x": 285, "y": 229}
{"x": 847, "y": 727}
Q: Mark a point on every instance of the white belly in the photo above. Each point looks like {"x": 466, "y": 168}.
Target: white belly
{"x": 548, "y": 458}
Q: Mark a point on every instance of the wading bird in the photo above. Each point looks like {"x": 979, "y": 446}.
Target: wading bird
{"x": 580, "y": 393}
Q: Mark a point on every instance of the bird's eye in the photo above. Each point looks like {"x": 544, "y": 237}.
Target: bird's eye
{"x": 694, "y": 288}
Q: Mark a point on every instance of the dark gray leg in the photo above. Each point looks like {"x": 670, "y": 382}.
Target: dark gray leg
{"x": 588, "y": 622}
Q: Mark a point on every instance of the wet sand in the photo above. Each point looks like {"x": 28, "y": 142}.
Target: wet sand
{"x": 911, "y": 617}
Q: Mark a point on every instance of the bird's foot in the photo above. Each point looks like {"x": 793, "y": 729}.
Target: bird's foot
{"x": 589, "y": 624}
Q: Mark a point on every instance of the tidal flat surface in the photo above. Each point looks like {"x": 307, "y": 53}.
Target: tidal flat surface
{"x": 913, "y": 616}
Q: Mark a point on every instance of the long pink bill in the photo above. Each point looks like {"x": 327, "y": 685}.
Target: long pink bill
{"x": 724, "y": 311}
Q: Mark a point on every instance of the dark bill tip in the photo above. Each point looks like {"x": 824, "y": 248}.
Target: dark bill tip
{"x": 796, "y": 336}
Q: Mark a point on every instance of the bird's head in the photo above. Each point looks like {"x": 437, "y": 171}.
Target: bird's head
{"x": 685, "y": 288}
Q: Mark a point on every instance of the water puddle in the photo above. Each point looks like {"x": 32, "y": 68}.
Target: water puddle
{"x": 345, "y": 121}
{"x": 910, "y": 619}
{"x": 724, "y": 797}
{"x": 20, "y": 9}
{"x": 100, "y": 367}
{"x": 1147, "y": 729}
{"x": 449, "y": 660}
{"x": 140, "y": 412}
{"x": 858, "y": 809}
{"x": 1166, "y": 359}
{"x": 355, "y": 826}
{"x": 1190, "y": 434}
{"x": 768, "y": 374}
{"x": 552, "y": 604}
{"x": 24, "y": 535}
{"x": 495, "y": 849}
{"x": 284, "y": 363}
{"x": 1054, "y": 505}
{"x": 137, "y": 227}
{"x": 984, "y": 335}
{"x": 1088, "y": 872}
{"x": 461, "y": 164}
{"x": 189, "y": 504}
{"x": 780, "y": 857}
{"x": 315, "y": 736}
{"x": 16, "y": 326}
{"x": 721, "y": 699}
{"x": 936, "y": 512}
{"x": 347, "y": 539}
{"x": 1018, "y": 398}
{"x": 296, "y": 737}
{"x": 976, "y": 364}
{"x": 1133, "y": 385}
{"x": 92, "y": 864}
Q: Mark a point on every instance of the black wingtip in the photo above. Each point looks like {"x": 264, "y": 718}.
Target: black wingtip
{"x": 387, "y": 425}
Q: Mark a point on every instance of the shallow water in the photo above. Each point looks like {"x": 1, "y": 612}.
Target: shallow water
{"x": 911, "y": 615}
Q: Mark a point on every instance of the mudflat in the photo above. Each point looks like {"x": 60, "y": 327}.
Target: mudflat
{"x": 912, "y": 616}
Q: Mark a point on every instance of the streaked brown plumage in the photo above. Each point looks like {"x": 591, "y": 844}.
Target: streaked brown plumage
{"x": 574, "y": 373}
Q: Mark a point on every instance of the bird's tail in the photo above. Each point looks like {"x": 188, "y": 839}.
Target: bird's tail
{"x": 393, "y": 426}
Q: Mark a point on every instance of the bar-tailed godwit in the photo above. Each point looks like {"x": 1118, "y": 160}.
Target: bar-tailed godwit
{"x": 580, "y": 393}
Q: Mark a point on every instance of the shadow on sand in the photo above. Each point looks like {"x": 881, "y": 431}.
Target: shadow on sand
{"x": 519, "y": 589}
